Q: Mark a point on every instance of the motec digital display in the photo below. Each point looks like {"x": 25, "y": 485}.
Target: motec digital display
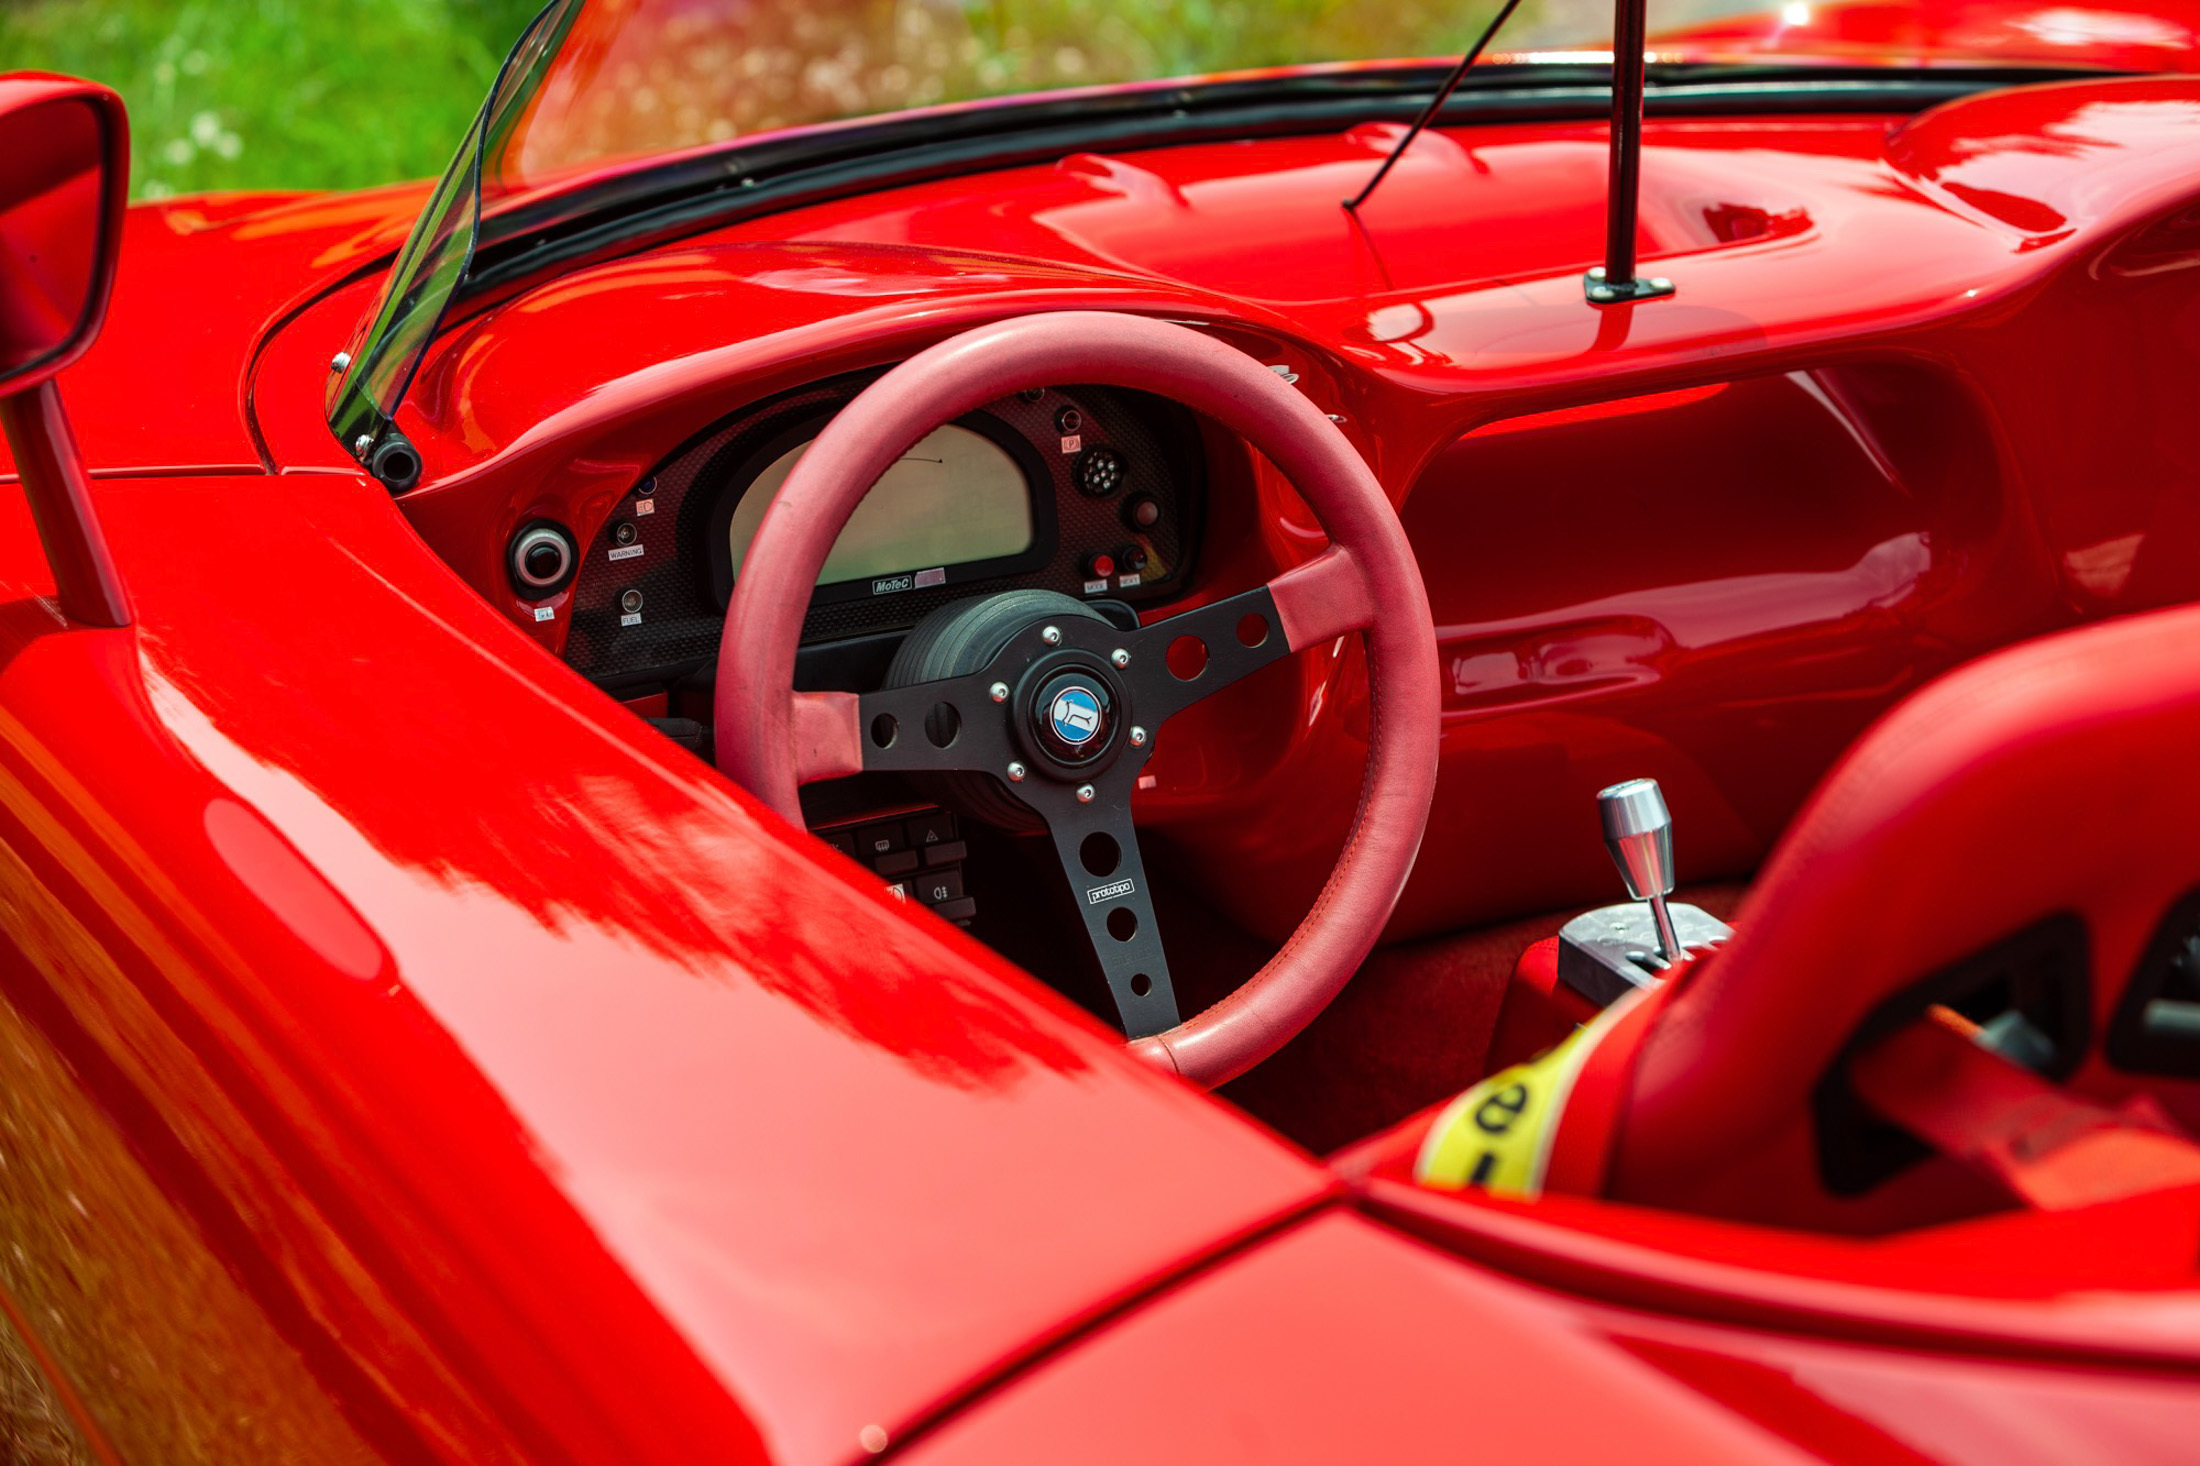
{"x": 955, "y": 498}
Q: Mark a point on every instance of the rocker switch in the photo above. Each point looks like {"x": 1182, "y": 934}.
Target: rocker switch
{"x": 1639, "y": 833}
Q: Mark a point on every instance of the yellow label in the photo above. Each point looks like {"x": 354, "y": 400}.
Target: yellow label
{"x": 1498, "y": 1134}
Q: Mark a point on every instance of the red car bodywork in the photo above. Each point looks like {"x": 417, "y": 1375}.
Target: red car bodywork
{"x": 413, "y": 1056}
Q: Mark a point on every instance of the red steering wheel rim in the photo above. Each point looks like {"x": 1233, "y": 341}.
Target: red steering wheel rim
{"x": 768, "y": 737}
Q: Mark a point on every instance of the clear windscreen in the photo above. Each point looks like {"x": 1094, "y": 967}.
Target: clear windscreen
{"x": 387, "y": 348}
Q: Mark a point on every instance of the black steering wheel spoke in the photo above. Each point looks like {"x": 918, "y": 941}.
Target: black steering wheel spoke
{"x": 1062, "y": 713}
{"x": 1099, "y": 854}
{"x": 946, "y": 726}
{"x": 1198, "y": 653}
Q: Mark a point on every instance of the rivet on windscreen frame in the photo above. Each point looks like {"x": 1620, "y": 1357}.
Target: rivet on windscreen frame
{"x": 362, "y": 445}
{"x": 340, "y": 361}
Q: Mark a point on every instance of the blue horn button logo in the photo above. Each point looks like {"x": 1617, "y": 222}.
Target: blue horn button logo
{"x": 1075, "y": 715}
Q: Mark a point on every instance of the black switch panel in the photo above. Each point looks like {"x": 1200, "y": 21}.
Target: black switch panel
{"x": 921, "y": 855}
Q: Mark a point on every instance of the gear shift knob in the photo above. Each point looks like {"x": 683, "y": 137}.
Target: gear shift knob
{"x": 1639, "y": 833}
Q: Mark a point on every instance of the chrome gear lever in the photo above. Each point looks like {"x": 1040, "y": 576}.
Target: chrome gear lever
{"x": 1605, "y": 954}
{"x": 1639, "y": 833}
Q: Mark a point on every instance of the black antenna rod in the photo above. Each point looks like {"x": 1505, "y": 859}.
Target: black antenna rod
{"x": 1614, "y": 282}
{"x": 1428, "y": 113}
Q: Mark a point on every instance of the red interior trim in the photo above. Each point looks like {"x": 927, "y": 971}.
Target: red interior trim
{"x": 2050, "y": 1148}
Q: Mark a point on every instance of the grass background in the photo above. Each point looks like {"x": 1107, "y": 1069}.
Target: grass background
{"x": 228, "y": 94}
{"x": 231, "y": 94}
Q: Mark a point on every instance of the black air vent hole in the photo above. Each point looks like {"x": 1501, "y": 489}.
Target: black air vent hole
{"x": 1100, "y": 854}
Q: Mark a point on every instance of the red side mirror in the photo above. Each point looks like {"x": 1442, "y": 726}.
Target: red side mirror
{"x": 64, "y": 172}
{"x": 64, "y": 176}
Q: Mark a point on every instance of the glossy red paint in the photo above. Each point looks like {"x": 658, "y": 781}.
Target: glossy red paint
{"x": 1335, "y": 1337}
{"x": 1867, "y": 1405}
{"x": 514, "y": 1088}
{"x": 1317, "y": 1318}
{"x": 409, "y": 1042}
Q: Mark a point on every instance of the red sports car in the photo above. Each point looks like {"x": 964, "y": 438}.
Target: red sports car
{"x": 834, "y": 761}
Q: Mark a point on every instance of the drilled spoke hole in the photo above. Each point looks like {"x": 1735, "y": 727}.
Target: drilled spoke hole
{"x": 1100, "y": 853}
{"x": 1122, "y": 923}
{"x": 1187, "y": 657}
{"x": 884, "y": 730}
{"x": 1141, "y": 984}
{"x": 943, "y": 725}
{"x": 1252, "y": 629}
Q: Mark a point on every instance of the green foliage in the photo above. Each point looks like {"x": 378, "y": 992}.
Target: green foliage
{"x": 227, "y": 94}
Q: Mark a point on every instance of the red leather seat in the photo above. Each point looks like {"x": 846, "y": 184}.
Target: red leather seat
{"x": 2057, "y": 777}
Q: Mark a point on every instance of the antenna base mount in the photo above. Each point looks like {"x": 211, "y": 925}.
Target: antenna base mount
{"x": 1622, "y": 292}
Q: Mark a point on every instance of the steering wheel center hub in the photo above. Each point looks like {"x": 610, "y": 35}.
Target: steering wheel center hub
{"x": 1070, "y": 715}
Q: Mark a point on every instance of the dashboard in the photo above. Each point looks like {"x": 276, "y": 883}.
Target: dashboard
{"x": 1090, "y": 491}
